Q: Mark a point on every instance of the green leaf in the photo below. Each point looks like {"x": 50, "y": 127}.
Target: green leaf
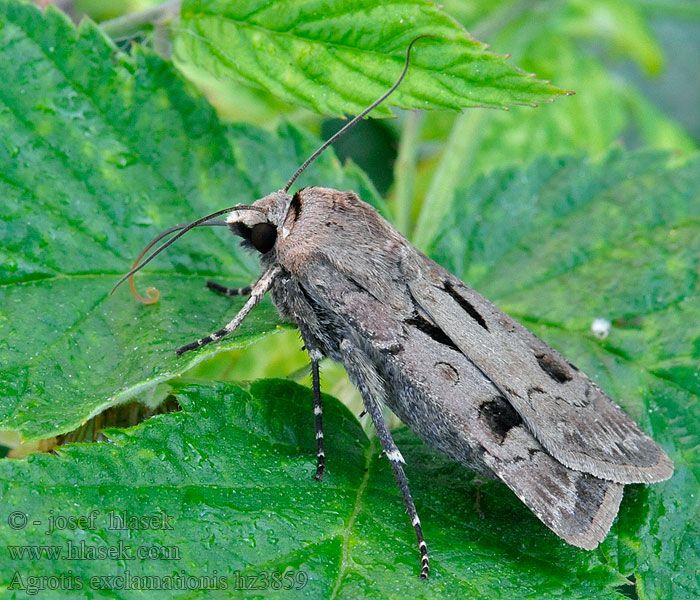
{"x": 567, "y": 241}
{"x": 234, "y": 471}
{"x": 100, "y": 152}
{"x": 308, "y": 54}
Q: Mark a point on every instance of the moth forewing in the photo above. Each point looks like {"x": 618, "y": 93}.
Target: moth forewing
{"x": 569, "y": 414}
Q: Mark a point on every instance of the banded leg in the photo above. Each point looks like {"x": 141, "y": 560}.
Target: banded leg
{"x": 227, "y": 291}
{"x": 366, "y": 378}
{"x": 318, "y": 413}
{"x": 259, "y": 290}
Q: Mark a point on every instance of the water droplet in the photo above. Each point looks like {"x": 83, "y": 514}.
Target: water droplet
{"x": 601, "y": 328}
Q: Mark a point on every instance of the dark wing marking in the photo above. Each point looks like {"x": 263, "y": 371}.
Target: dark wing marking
{"x": 569, "y": 414}
{"x": 578, "y": 507}
{"x": 451, "y": 405}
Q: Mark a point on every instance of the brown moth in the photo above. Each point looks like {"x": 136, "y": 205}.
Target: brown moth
{"x": 463, "y": 375}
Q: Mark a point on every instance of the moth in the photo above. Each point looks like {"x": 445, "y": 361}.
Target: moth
{"x": 463, "y": 375}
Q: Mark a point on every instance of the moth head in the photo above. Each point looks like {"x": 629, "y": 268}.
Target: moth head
{"x": 260, "y": 228}
{"x": 259, "y": 231}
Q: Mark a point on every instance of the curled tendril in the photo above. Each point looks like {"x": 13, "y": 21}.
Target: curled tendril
{"x": 152, "y": 293}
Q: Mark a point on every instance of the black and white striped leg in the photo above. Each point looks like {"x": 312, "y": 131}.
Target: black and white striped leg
{"x": 259, "y": 290}
{"x": 318, "y": 414}
{"x": 227, "y": 291}
{"x": 368, "y": 381}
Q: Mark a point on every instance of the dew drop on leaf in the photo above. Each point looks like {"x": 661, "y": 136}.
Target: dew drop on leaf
{"x": 601, "y": 328}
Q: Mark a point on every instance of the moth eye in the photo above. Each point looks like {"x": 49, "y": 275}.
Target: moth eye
{"x": 263, "y": 237}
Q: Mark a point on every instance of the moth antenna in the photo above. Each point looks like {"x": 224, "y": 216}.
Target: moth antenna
{"x": 152, "y": 293}
{"x": 177, "y": 236}
{"x": 352, "y": 123}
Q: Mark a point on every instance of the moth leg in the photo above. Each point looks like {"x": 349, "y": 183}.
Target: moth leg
{"x": 318, "y": 414}
{"x": 367, "y": 380}
{"x": 227, "y": 291}
{"x": 257, "y": 293}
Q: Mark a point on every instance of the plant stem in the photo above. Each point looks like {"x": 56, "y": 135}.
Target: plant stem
{"x": 127, "y": 25}
{"x": 461, "y": 146}
{"x": 405, "y": 170}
